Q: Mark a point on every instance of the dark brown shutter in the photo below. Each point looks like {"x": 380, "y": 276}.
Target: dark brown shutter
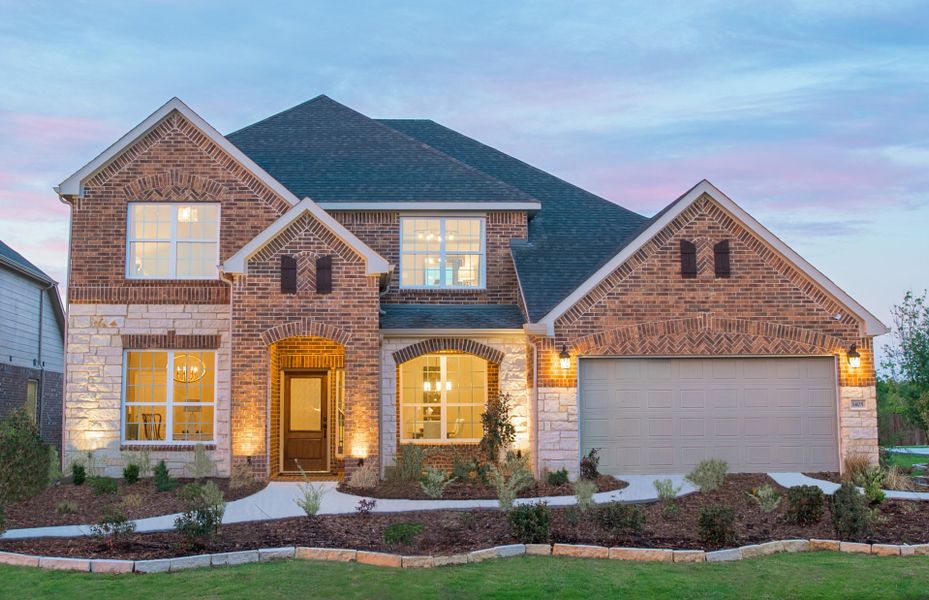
{"x": 721, "y": 255}
{"x": 688, "y": 259}
{"x": 288, "y": 274}
{"x": 324, "y": 275}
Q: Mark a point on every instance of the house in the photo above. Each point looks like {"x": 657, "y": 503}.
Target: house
{"x": 32, "y": 325}
{"x": 319, "y": 287}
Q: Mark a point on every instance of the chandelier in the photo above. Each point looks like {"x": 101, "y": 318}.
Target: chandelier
{"x": 188, "y": 368}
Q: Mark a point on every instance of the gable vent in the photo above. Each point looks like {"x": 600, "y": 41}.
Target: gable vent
{"x": 324, "y": 275}
{"x": 721, "y": 257}
{"x": 688, "y": 259}
{"x": 288, "y": 274}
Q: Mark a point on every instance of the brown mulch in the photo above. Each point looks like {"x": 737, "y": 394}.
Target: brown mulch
{"x": 448, "y": 532}
{"x": 474, "y": 491}
{"x": 43, "y": 510}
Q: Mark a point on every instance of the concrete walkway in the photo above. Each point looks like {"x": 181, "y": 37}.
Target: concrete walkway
{"x": 791, "y": 479}
{"x": 276, "y": 501}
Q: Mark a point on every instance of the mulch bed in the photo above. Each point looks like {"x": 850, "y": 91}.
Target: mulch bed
{"x": 474, "y": 491}
{"x": 145, "y": 501}
{"x": 448, "y": 532}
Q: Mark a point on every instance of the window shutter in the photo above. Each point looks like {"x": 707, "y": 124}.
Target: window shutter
{"x": 688, "y": 259}
{"x": 288, "y": 275}
{"x": 721, "y": 255}
{"x": 324, "y": 275}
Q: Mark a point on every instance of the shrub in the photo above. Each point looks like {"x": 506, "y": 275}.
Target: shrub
{"x": 144, "y": 460}
{"x": 54, "y": 465}
{"x": 896, "y": 479}
{"x": 584, "y": 492}
{"x": 855, "y": 465}
{"x": 113, "y": 526}
{"x": 766, "y": 496}
{"x": 364, "y": 477}
{"x": 849, "y": 513}
{"x": 509, "y": 479}
{"x": 590, "y": 464}
{"x": 103, "y": 485}
{"x": 204, "y": 514}
{"x": 131, "y": 502}
{"x": 805, "y": 504}
{"x": 402, "y": 534}
{"x": 90, "y": 463}
{"x": 202, "y": 465}
{"x": 163, "y": 480}
{"x": 24, "y": 458}
{"x": 470, "y": 470}
{"x": 667, "y": 494}
{"x": 131, "y": 473}
{"x": 311, "y": 496}
{"x": 78, "y": 474}
{"x": 434, "y": 481}
{"x": 241, "y": 477}
{"x": 66, "y": 507}
{"x": 530, "y": 523}
{"x": 409, "y": 464}
{"x": 559, "y": 477}
{"x": 717, "y": 526}
{"x": 365, "y": 506}
{"x": 618, "y": 518}
{"x": 499, "y": 431}
{"x": 709, "y": 475}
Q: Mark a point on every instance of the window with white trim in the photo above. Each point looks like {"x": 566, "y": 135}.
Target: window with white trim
{"x": 172, "y": 241}
{"x": 442, "y": 252}
{"x": 442, "y": 397}
{"x": 169, "y": 396}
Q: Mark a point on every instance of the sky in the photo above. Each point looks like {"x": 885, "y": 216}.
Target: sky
{"x": 814, "y": 116}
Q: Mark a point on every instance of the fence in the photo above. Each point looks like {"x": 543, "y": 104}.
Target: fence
{"x": 894, "y": 430}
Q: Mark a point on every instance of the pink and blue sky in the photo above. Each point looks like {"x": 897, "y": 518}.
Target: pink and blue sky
{"x": 812, "y": 115}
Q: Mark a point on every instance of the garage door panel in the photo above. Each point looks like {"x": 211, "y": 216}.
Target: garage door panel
{"x": 666, "y": 415}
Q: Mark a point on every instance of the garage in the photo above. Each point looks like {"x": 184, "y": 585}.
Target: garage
{"x": 664, "y": 415}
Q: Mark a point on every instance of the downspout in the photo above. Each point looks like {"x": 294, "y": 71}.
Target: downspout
{"x": 228, "y": 279}
{"x": 39, "y": 394}
{"x": 64, "y": 368}
{"x": 535, "y": 404}
{"x": 383, "y": 288}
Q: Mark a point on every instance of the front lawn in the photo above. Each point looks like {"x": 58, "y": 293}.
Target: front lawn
{"x": 907, "y": 460}
{"x": 812, "y": 575}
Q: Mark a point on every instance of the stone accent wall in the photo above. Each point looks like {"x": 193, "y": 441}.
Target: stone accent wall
{"x": 511, "y": 380}
{"x": 93, "y": 388}
{"x": 858, "y": 421}
{"x": 13, "y": 382}
{"x": 558, "y": 439}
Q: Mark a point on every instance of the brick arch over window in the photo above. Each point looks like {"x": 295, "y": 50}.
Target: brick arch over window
{"x": 439, "y": 344}
{"x": 305, "y": 327}
{"x": 175, "y": 185}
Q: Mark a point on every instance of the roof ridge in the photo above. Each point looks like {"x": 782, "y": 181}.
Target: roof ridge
{"x": 283, "y": 112}
{"x": 15, "y": 259}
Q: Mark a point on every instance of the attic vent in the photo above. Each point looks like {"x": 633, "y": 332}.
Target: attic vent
{"x": 324, "y": 275}
{"x": 721, "y": 256}
{"x": 688, "y": 260}
{"x": 288, "y": 274}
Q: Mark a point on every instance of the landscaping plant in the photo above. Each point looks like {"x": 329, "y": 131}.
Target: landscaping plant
{"x": 311, "y": 496}
{"x": 805, "y": 504}
{"x": 530, "y": 523}
{"x": 850, "y": 515}
{"x": 559, "y": 477}
{"x": 242, "y": 476}
{"x": 130, "y": 502}
{"x": 365, "y": 506}
{"x": 584, "y": 492}
{"x": 709, "y": 475}
{"x": 510, "y": 478}
{"x": 103, "y": 485}
{"x": 499, "y": 431}
{"x": 667, "y": 494}
{"x": 590, "y": 465}
{"x": 204, "y": 515}
{"x": 24, "y": 458}
{"x": 873, "y": 485}
{"x": 766, "y": 496}
{"x": 717, "y": 526}
{"x": 66, "y": 507}
{"x": 617, "y": 518}
{"x": 113, "y": 526}
{"x": 78, "y": 473}
{"x": 434, "y": 481}
{"x": 402, "y": 534}
{"x": 470, "y": 470}
{"x": 202, "y": 465}
{"x": 163, "y": 480}
{"x": 54, "y": 466}
{"x": 131, "y": 473}
{"x": 408, "y": 466}
{"x": 896, "y": 479}
{"x": 855, "y": 466}
{"x": 364, "y": 477}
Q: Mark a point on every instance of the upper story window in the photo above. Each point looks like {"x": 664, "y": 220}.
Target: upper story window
{"x": 173, "y": 241}
{"x": 442, "y": 252}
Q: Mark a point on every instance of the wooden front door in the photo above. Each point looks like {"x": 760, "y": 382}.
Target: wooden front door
{"x": 305, "y": 411}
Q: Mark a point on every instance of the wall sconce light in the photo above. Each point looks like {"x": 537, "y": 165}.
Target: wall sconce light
{"x": 564, "y": 358}
{"x": 854, "y": 358}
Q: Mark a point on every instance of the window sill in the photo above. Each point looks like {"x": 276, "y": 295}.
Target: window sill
{"x": 167, "y": 447}
{"x": 421, "y": 442}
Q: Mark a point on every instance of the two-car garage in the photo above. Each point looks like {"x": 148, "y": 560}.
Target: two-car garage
{"x": 664, "y": 415}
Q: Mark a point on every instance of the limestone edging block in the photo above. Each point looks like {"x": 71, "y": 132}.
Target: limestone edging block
{"x": 379, "y": 559}
{"x": 825, "y": 545}
{"x": 417, "y": 562}
{"x": 885, "y": 549}
{"x": 921, "y": 549}
{"x": 18, "y": 560}
{"x": 539, "y": 549}
{"x": 580, "y": 551}
{"x": 642, "y": 554}
{"x": 158, "y": 565}
{"x": 724, "y": 555}
{"x": 511, "y": 550}
{"x": 234, "y": 558}
{"x": 481, "y": 555}
{"x": 105, "y": 565}
{"x": 454, "y": 559}
{"x": 64, "y": 564}
{"x": 854, "y": 548}
{"x": 190, "y": 562}
{"x": 333, "y": 554}
{"x": 266, "y": 554}
{"x": 689, "y": 556}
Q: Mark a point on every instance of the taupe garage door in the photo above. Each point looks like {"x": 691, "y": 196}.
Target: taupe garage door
{"x": 664, "y": 415}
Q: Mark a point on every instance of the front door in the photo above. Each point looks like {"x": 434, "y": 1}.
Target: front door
{"x": 305, "y": 439}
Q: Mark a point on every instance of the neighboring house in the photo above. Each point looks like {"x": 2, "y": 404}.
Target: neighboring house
{"x": 319, "y": 287}
{"x": 32, "y": 325}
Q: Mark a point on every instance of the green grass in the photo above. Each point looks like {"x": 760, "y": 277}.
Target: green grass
{"x": 815, "y": 575}
{"x": 908, "y": 460}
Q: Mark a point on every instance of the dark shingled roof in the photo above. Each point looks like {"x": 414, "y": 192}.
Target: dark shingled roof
{"x": 10, "y": 256}
{"x": 331, "y": 153}
{"x": 573, "y": 235}
{"x": 451, "y": 316}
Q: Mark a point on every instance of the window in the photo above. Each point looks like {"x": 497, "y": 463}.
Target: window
{"x": 32, "y": 399}
{"x": 446, "y": 252}
{"x": 169, "y": 396}
{"x": 442, "y": 397}
{"x": 173, "y": 241}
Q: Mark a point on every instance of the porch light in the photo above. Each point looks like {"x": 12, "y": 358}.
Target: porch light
{"x": 854, "y": 358}
{"x": 564, "y": 358}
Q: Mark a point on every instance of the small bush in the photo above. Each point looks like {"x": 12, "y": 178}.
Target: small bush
{"x": 590, "y": 465}
{"x": 434, "y": 481}
{"x": 131, "y": 473}
{"x": 113, "y": 526}
{"x": 365, "y": 506}
{"x": 530, "y": 523}
{"x": 667, "y": 495}
{"x": 204, "y": 514}
{"x": 202, "y": 465}
{"x": 78, "y": 474}
{"x": 618, "y": 518}
{"x": 130, "y": 502}
{"x": 24, "y": 458}
{"x": 364, "y": 477}
{"x": 805, "y": 504}
{"x": 717, "y": 526}
{"x": 509, "y": 479}
{"x": 402, "y": 534}
{"x": 584, "y": 492}
{"x": 54, "y": 466}
{"x": 66, "y": 507}
{"x": 241, "y": 477}
{"x": 850, "y": 513}
{"x": 499, "y": 431}
{"x": 163, "y": 480}
{"x": 470, "y": 470}
{"x": 896, "y": 479}
{"x": 559, "y": 477}
{"x": 466, "y": 520}
{"x": 103, "y": 485}
{"x": 766, "y": 496}
{"x": 409, "y": 463}
{"x": 855, "y": 466}
{"x": 872, "y": 480}
{"x": 709, "y": 475}
{"x": 311, "y": 496}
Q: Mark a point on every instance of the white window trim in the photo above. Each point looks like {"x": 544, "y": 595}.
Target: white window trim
{"x": 443, "y": 440}
{"x": 169, "y": 403}
{"x": 172, "y": 259}
{"x": 442, "y": 219}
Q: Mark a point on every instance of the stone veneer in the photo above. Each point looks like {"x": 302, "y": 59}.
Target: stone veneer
{"x": 858, "y": 425}
{"x": 93, "y": 387}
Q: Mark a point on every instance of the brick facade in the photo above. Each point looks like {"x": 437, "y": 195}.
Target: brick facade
{"x": 13, "y": 382}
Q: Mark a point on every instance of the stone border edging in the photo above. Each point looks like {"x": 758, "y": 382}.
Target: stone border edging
{"x": 384, "y": 559}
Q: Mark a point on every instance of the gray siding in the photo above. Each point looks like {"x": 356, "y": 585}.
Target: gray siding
{"x": 20, "y": 299}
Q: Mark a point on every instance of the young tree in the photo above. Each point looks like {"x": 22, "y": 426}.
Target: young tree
{"x": 907, "y": 363}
